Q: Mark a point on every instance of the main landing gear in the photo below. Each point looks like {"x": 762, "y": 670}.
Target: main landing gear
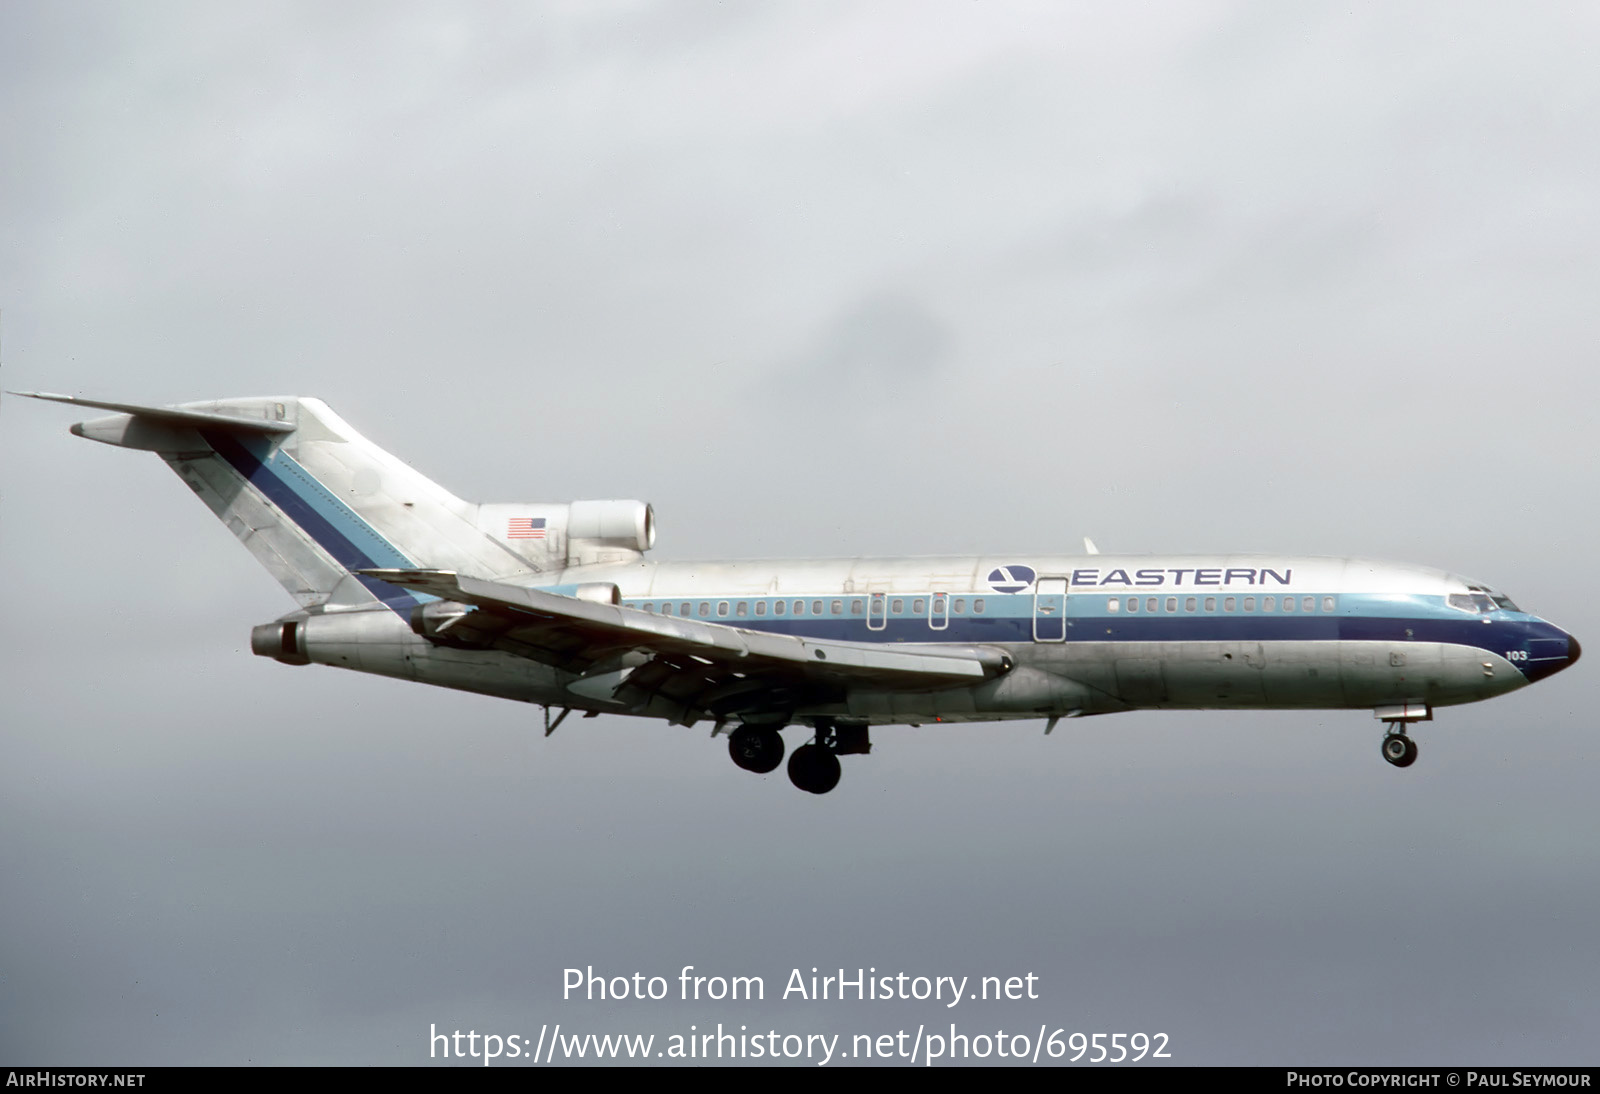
{"x": 756, "y": 748}
{"x": 813, "y": 767}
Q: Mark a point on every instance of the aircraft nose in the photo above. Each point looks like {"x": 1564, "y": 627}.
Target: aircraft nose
{"x": 1548, "y": 650}
{"x": 1559, "y": 661}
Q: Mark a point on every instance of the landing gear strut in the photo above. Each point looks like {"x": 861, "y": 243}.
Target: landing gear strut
{"x": 814, "y": 767}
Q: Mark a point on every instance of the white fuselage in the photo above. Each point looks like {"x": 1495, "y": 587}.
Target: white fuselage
{"x": 1088, "y": 634}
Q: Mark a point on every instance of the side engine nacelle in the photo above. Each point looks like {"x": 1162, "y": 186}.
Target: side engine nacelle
{"x": 553, "y": 536}
{"x": 602, "y": 525}
{"x": 282, "y": 641}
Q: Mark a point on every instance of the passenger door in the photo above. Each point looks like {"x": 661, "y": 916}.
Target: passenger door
{"x": 1050, "y": 609}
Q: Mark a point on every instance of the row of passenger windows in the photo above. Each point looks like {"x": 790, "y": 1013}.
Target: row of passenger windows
{"x": 857, "y": 606}
{"x": 1229, "y": 603}
{"x": 958, "y": 605}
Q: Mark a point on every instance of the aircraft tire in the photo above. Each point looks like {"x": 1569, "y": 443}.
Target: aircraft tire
{"x": 1400, "y": 750}
{"x": 756, "y": 748}
{"x": 814, "y": 769}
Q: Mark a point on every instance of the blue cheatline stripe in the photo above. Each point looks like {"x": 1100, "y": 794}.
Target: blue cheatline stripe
{"x": 335, "y": 527}
{"x": 999, "y": 626}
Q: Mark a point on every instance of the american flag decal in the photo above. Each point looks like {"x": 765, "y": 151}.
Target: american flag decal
{"x": 525, "y": 528}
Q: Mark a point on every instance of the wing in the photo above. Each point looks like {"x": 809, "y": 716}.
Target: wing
{"x": 705, "y": 669}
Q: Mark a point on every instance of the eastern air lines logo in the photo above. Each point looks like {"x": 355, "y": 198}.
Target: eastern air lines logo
{"x": 1011, "y": 579}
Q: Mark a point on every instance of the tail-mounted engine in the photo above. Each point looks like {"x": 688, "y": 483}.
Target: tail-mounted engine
{"x": 598, "y": 525}
{"x": 575, "y": 534}
{"x": 282, "y": 641}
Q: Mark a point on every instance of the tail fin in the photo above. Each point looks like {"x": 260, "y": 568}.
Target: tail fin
{"x": 310, "y": 497}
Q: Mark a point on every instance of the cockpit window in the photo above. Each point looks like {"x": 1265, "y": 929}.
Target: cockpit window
{"x": 1500, "y": 599}
{"x": 1481, "y": 599}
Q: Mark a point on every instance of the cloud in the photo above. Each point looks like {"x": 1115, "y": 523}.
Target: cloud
{"x": 1193, "y": 276}
{"x": 882, "y": 343}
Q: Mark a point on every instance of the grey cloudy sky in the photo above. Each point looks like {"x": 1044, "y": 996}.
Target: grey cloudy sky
{"x": 815, "y": 279}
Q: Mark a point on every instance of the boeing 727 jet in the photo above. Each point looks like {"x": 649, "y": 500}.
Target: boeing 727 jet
{"x": 555, "y": 604}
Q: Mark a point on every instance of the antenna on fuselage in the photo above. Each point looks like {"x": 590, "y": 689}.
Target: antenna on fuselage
{"x": 1088, "y": 546}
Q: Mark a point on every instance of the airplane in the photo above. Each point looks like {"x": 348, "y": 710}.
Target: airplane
{"x": 555, "y": 604}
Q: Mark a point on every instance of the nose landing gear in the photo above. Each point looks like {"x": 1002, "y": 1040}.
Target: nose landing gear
{"x": 1399, "y": 749}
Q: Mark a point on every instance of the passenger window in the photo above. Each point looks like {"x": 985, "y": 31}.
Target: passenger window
{"x": 977, "y": 605}
{"x": 1211, "y": 603}
{"x": 1308, "y": 603}
{"x": 961, "y": 605}
{"x": 896, "y": 607}
{"x": 743, "y": 608}
{"x": 1150, "y": 605}
{"x": 1133, "y": 603}
{"x": 1269, "y": 603}
{"x": 705, "y": 608}
{"x": 1227, "y": 603}
{"x": 1113, "y": 605}
{"x": 1172, "y": 603}
{"x": 917, "y": 606}
{"x": 1189, "y": 604}
{"x": 855, "y": 607}
{"x": 1327, "y": 603}
{"x": 816, "y": 607}
{"x": 1288, "y": 603}
{"x": 838, "y": 607}
{"x": 799, "y": 607}
{"x": 685, "y": 608}
{"x": 761, "y": 607}
{"x": 777, "y": 608}
{"x": 1249, "y": 603}
{"x": 722, "y": 607}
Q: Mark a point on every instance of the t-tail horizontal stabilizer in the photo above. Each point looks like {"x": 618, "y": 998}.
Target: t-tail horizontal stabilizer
{"x": 167, "y": 415}
{"x": 310, "y": 497}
